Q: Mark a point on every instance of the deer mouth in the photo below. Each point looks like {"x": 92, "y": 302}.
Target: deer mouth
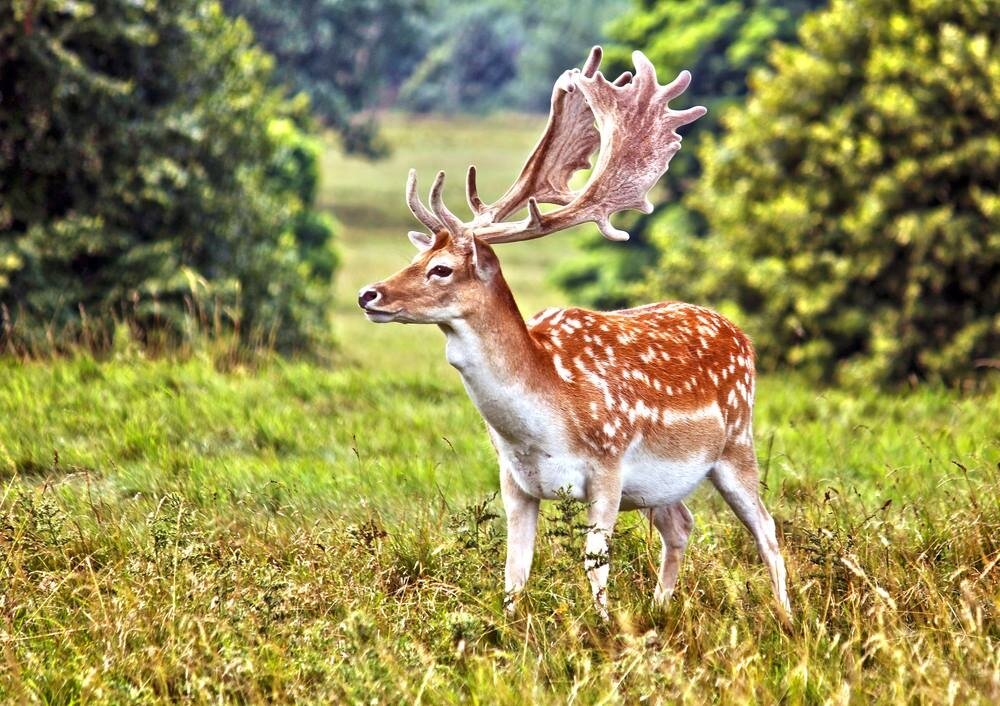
{"x": 380, "y": 316}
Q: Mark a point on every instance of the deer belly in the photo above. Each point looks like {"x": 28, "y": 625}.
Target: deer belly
{"x": 545, "y": 474}
{"x": 649, "y": 480}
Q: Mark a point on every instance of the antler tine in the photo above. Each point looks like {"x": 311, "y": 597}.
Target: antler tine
{"x": 626, "y": 77}
{"x": 472, "y": 193}
{"x": 417, "y": 208}
{"x": 450, "y": 220}
{"x": 593, "y": 60}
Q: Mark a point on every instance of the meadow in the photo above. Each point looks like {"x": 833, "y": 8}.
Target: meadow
{"x": 206, "y": 528}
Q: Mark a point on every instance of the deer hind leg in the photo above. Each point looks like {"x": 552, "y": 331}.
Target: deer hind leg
{"x": 735, "y": 477}
{"x": 674, "y": 523}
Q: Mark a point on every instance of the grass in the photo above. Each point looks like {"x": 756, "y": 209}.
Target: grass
{"x": 285, "y": 532}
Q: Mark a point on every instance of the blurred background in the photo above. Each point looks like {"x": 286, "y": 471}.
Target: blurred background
{"x": 180, "y": 168}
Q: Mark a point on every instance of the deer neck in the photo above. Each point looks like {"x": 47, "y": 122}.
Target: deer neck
{"x": 498, "y": 361}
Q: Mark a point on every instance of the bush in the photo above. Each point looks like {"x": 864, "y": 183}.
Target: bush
{"x": 852, "y": 203}
{"x": 148, "y": 172}
{"x": 720, "y": 43}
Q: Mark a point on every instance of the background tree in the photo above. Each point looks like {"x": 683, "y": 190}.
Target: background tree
{"x": 720, "y": 43}
{"x": 472, "y": 54}
{"x": 853, "y": 203}
{"x": 502, "y": 54}
{"x": 346, "y": 54}
{"x": 148, "y": 170}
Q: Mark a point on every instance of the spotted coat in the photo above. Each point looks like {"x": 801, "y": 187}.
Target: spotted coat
{"x": 647, "y": 369}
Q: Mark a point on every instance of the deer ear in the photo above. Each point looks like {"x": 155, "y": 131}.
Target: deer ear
{"x": 421, "y": 241}
{"x": 484, "y": 260}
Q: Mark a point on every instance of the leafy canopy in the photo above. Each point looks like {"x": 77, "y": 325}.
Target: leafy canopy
{"x": 720, "y": 43}
{"x": 853, "y": 203}
{"x": 148, "y": 171}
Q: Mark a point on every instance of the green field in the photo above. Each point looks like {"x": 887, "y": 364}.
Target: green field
{"x": 206, "y": 530}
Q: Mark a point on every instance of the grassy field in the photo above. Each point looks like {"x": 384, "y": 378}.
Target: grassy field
{"x": 282, "y": 531}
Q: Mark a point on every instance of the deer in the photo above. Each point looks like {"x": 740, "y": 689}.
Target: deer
{"x": 623, "y": 410}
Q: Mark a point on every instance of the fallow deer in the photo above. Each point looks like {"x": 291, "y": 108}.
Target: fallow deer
{"x": 625, "y": 409}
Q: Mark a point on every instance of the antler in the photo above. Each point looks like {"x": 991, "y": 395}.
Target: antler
{"x": 565, "y": 147}
{"x": 635, "y": 129}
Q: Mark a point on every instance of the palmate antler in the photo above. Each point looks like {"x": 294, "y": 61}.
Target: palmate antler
{"x": 636, "y": 132}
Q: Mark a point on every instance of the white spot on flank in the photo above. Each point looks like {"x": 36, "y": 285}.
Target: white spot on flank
{"x": 597, "y": 381}
{"x": 710, "y": 411}
{"x": 542, "y": 315}
{"x": 563, "y": 372}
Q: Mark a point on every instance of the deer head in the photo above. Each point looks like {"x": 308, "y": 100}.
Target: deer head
{"x": 628, "y": 119}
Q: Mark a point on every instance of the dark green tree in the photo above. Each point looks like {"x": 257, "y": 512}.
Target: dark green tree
{"x": 148, "y": 171}
{"x": 471, "y": 55}
{"x": 853, "y": 203}
{"x": 555, "y": 36}
{"x": 720, "y": 43}
{"x": 348, "y": 55}
{"x": 502, "y": 54}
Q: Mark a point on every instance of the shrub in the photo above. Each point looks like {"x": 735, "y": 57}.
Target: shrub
{"x": 720, "y": 43}
{"x": 148, "y": 171}
{"x": 852, "y": 203}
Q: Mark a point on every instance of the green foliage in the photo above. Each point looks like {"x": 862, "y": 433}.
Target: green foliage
{"x": 720, "y": 43}
{"x": 149, "y": 172}
{"x": 501, "y": 54}
{"x": 853, "y": 202}
{"x": 555, "y": 36}
{"x": 295, "y": 170}
{"x": 346, "y": 54}
{"x": 471, "y": 57}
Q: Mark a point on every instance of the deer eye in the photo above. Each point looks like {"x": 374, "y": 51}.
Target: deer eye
{"x": 439, "y": 271}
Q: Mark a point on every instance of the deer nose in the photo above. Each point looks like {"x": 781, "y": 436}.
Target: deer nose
{"x": 367, "y": 295}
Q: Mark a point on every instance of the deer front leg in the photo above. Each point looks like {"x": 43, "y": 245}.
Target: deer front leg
{"x": 605, "y": 499}
{"x": 522, "y": 520}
